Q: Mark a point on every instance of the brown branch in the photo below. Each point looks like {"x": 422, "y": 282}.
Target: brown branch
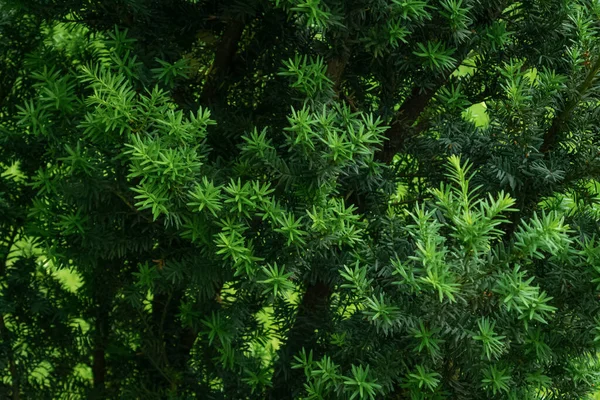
{"x": 335, "y": 71}
{"x": 336, "y": 67}
{"x": 407, "y": 115}
{"x": 312, "y": 312}
{"x": 223, "y": 59}
{"x": 559, "y": 121}
{"x": 403, "y": 125}
{"x": 147, "y": 355}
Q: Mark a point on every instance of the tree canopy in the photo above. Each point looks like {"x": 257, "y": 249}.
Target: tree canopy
{"x": 299, "y": 199}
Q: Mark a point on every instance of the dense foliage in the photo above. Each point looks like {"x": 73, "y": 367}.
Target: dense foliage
{"x": 294, "y": 199}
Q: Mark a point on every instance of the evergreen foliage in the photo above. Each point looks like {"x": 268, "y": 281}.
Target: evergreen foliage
{"x": 292, "y": 199}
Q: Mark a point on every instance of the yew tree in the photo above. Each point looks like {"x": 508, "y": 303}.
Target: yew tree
{"x": 299, "y": 199}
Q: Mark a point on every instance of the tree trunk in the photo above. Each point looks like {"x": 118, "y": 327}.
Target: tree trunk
{"x": 313, "y": 314}
{"x": 223, "y": 59}
{"x": 102, "y": 296}
{"x": 407, "y": 115}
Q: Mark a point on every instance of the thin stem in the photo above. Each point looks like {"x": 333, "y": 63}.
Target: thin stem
{"x": 128, "y": 204}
